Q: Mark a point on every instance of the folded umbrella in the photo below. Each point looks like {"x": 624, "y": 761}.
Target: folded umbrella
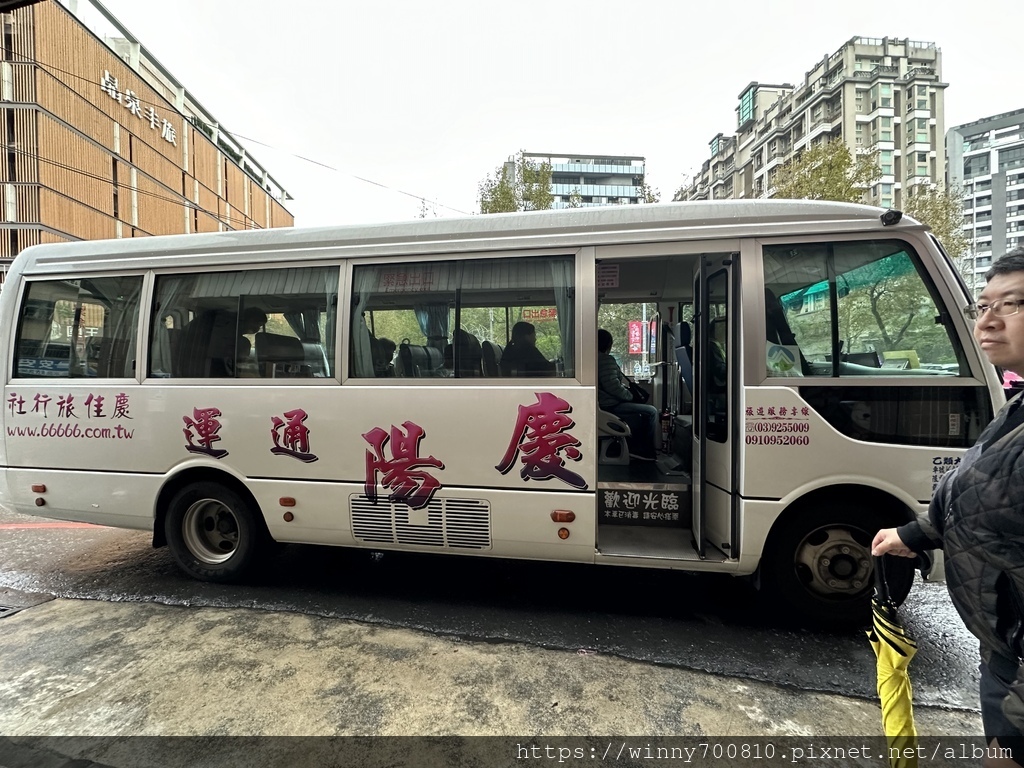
{"x": 894, "y": 648}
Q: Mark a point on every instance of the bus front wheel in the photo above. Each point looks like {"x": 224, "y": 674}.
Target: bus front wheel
{"x": 819, "y": 564}
{"x": 214, "y": 533}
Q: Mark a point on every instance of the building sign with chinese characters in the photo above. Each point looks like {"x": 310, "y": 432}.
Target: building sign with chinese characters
{"x": 130, "y": 101}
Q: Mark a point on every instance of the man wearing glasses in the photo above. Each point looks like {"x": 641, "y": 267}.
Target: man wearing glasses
{"x": 977, "y": 517}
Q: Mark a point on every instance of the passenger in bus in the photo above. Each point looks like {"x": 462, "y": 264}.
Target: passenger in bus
{"x": 521, "y": 357}
{"x": 975, "y": 518}
{"x": 614, "y": 394}
{"x": 252, "y": 320}
{"x": 215, "y": 342}
{"x": 383, "y": 352}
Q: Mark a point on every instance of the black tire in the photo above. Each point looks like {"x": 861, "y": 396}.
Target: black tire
{"x": 818, "y": 565}
{"x": 214, "y": 533}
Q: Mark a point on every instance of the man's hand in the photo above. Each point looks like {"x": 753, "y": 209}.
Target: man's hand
{"x": 888, "y": 542}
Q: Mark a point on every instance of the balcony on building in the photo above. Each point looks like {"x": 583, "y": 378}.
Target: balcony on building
{"x": 919, "y": 73}
{"x": 882, "y": 70}
{"x": 595, "y": 190}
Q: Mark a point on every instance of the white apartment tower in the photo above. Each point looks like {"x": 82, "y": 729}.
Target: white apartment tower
{"x": 986, "y": 161}
{"x": 595, "y": 180}
{"x": 881, "y": 95}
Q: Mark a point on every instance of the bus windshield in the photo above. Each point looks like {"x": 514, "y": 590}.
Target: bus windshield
{"x": 862, "y": 304}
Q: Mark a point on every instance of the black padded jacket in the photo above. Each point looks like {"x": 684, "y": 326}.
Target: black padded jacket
{"x": 976, "y": 517}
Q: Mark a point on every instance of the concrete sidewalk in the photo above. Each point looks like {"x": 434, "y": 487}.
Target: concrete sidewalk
{"x": 84, "y": 668}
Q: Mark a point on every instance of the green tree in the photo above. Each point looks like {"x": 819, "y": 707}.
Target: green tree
{"x": 518, "y": 185}
{"x": 575, "y": 198}
{"x": 827, "y": 171}
{"x": 942, "y": 210}
{"x": 648, "y": 194}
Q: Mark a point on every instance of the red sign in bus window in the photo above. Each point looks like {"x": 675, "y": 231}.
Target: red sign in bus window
{"x": 636, "y": 337}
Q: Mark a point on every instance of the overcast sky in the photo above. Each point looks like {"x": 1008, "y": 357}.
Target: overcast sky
{"x": 427, "y": 98}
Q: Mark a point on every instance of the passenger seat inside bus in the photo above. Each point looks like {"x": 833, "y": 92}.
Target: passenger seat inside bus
{"x": 684, "y": 356}
{"x": 612, "y": 438}
{"x": 280, "y": 356}
{"x": 108, "y": 357}
{"x": 492, "y": 358}
{"x": 416, "y": 361}
{"x": 467, "y": 347}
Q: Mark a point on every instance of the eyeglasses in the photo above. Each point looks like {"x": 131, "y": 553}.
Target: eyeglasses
{"x": 1003, "y": 308}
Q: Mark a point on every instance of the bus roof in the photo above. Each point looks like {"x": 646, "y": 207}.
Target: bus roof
{"x": 533, "y": 230}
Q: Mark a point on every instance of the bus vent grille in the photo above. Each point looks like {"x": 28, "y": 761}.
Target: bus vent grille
{"x": 445, "y": 523}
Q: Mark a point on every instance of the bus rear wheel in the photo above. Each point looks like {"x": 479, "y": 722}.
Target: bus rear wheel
{"x": 214, "y": 533}
{"x": 818, "y": 565}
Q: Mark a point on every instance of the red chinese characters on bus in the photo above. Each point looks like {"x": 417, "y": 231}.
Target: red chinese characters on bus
{"x": 401, "y": 472}
{"x": 203, "y": 426}
{"x": 540, "y": 314}
{"x": 66, "y": 405}
{"x": 291, "y": 436}
{"x": 121, "y": 406}
{"x": 540, "y": 436}
{"x": 94, "y": 405}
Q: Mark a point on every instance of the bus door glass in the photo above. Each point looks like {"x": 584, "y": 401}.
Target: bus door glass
{"x": 714, "y": 402}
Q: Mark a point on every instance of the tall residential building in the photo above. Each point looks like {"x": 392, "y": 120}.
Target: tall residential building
{"x": 986, "y": 160}
{"x": 103, "y": 142}
{"x": 591, "y": 180}
{"x": 874, "y": 94}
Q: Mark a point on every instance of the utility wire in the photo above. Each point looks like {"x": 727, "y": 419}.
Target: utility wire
{"x": 354, "y": 176}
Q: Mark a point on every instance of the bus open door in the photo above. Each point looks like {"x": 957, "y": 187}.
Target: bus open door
{"x": 716, "y": 416}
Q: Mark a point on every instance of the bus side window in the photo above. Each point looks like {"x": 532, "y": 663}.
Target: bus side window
{"x": 205, "y": 325}
{"x": 440, "y": 311}
{"x": 83, "y": 328}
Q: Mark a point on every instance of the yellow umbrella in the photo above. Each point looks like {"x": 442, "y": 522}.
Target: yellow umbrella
{"x": 894, "y": 649}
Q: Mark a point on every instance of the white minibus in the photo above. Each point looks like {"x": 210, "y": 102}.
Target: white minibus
{"x": 432, "y": 386}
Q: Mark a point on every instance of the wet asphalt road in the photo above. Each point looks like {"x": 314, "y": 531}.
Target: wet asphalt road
{"x": 714, "y": 623}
